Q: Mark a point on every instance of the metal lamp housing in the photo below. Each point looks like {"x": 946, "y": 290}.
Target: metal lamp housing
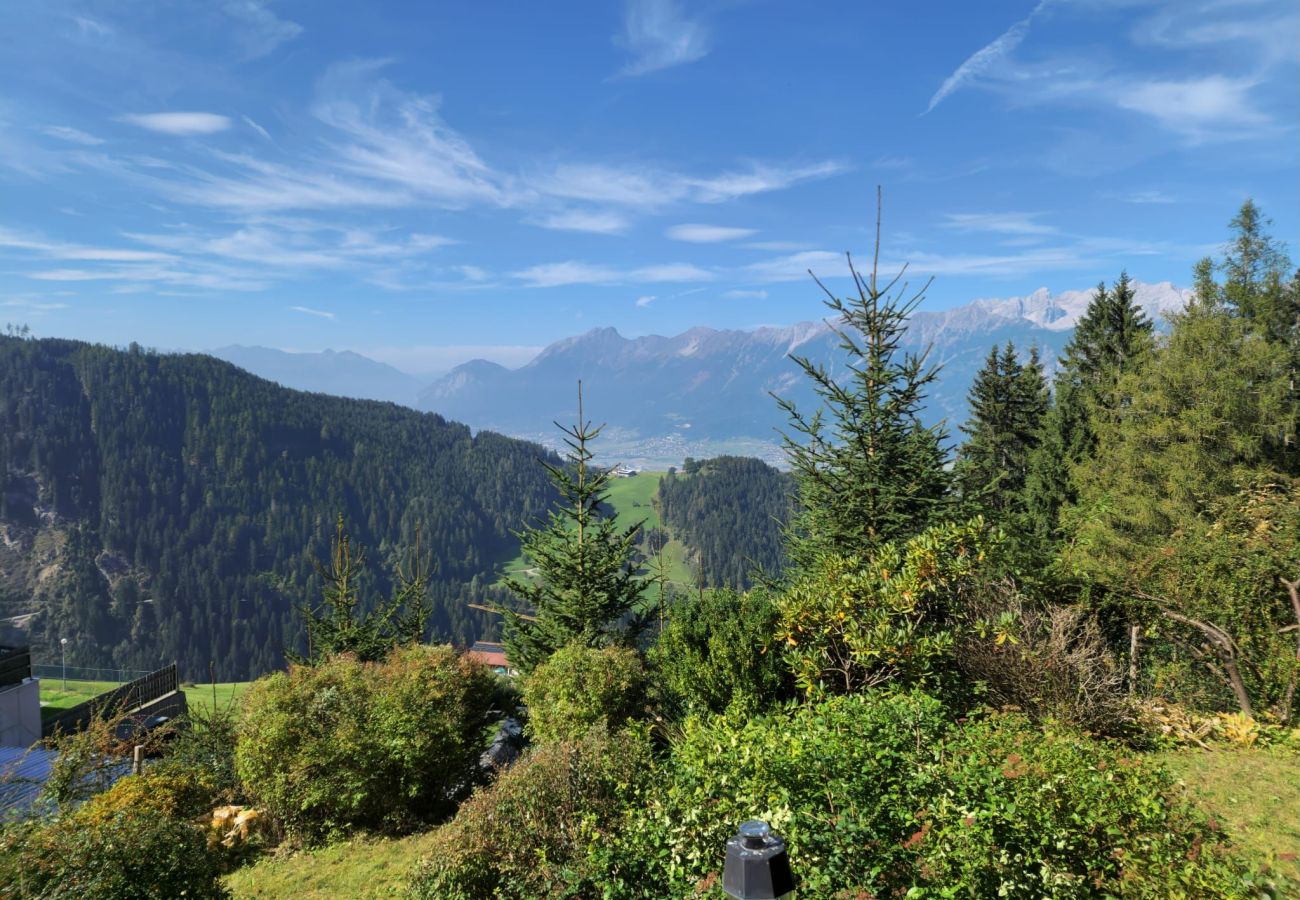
{"x": 757, "y": 866}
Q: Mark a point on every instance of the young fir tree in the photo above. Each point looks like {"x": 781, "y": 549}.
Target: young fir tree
{"x": 1109, "y": 341}
{"x": 1008, "y": 402}
{"x": 343, "y": 624}
{"x": 588, "y": 584}
{"x": 868, "y": 471}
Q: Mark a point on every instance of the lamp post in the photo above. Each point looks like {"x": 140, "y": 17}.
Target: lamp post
{"x": 757, "y": 866}
{"x": 63, "y": 647}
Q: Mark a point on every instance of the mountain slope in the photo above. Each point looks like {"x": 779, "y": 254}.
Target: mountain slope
{"x": 340, "y": 373}
{"x": 716, "y": 384}
{"x": 159, "y": 507}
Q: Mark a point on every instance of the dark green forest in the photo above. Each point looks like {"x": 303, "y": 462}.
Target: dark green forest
{"x": 731, "y": 511}
{"x": 173, "y": 507}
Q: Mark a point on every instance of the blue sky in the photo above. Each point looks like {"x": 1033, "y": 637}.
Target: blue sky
{"x": 426, "y": 182}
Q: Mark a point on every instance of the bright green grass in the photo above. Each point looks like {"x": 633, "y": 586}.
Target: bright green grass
{"x": 55, "y": 698}
{"x": 363, "y": 867}
{"x": 1255, "y": 795}
{"x": 201, "y": 694}
{"x": 632, "y": 500}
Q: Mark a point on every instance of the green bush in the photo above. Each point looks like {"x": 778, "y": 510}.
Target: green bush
{"x": 579, "y": 687}
{"x": 718, "y": 653}
{"x": 203, "y": 746}
{"x": 852, "y": 624}
{"x": 878, "y": 795}
{"x": 1013, "y": 811}
{"x": 126, "y": 854}
{"x": 347, "y": 744}
{"x": 528, "y": 835}
{"x": 832, "y": 779}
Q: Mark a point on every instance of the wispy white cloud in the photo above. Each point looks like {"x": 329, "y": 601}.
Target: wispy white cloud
{"x": 145, "y": 275}
{"x": 399, "y": 138}
{"x": 180, "y": 124}
{"x": 1270, "y": 34}
{"x": 671, "y": 272}
{"x": 38, "y": 306}
{"x": 793, "y": 266}
{"x": 561, "y": 274}
{"x": 47, "y": 249}
{"x": 986, "y": 57}
{"x": 707, "y": 234}
{"x": 648, "y": 189}
{"x": 258, "y": 128}
{"x": 759, "y": 179}
{"x": 71, "y": 135}
{"x": 1212, "y": 105}
{"x": 88, "y": 27}
{"x": 745, "y": 294}
{"x": 572, "y": 272}
{"x": 295, "y": 245}
{"x": 1016, "y": 223}
{"x": 319, "y": 313}
{"x": 645, "y": 300}
{"x": 260, "y": 30}
{"x": 1142, "y": 197}
{"x": 586, "y": 220}
{"x": 659, "y": 36}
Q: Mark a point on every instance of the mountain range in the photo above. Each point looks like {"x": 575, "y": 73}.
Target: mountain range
{"x": 702, "y": 392}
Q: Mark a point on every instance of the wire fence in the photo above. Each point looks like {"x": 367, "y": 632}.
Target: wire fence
{"x": 84, "y": 673}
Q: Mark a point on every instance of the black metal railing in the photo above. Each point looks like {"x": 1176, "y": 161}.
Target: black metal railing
{"x": 126, "y": 698}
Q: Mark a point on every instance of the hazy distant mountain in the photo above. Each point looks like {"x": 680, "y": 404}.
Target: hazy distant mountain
{"x": 715, "y": 384}
{"x": 341, "y": 373}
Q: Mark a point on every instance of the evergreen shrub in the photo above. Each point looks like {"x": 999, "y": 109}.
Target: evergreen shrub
{"x": 348, "y": 744}
{"x": 579, "y": 687}
{"x": 881, "y": 795}
{"x": 530, "y": 833}
{"x": 717, "y": 653}
{"x": 110, "y": 852}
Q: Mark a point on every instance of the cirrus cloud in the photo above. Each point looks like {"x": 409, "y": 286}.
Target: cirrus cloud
{"x": 180, "y": 124}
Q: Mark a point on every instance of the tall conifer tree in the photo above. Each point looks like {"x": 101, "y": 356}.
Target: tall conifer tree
{"x": 1008, "y": 402}
{"x": 1109, "y": 341}
{"x": 868, "y": 470}
{"x": 1260, "y": 287}
{"x": 588, "y": 585}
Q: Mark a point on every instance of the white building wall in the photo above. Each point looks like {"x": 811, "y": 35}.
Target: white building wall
{"x": 20, "y": 714}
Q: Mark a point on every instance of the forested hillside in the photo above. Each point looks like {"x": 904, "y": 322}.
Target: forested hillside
{"x": 159, "y": 507}
{"x": 730, "y": 511}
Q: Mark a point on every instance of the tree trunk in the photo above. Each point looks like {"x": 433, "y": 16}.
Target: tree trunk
{"x": 1134, "y": 632}
{"x": 1292, "y": 588}
{"x": 1226, "y": 648}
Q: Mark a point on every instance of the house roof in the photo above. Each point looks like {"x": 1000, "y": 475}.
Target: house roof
{"x": 490, "y": 654}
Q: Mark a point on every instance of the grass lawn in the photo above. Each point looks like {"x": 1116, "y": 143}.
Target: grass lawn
{"x": 1255, "y": 795}
{"x": 201, "y": 694}
{"x": 363, "y": 867}
{"x": 55, "y": 699}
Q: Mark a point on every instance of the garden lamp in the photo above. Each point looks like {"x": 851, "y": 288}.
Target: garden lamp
{"x": 757, "y": 866}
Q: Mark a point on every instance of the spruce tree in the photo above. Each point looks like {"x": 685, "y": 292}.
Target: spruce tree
{"x": 1260, "y": 287}
{"x": 588, "y": 584}
{"x": 1109, "y": 341}
{"x": 1008, "y": 402}
{"x": 868, "y": 471}
{"x": 344, "y": 624}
